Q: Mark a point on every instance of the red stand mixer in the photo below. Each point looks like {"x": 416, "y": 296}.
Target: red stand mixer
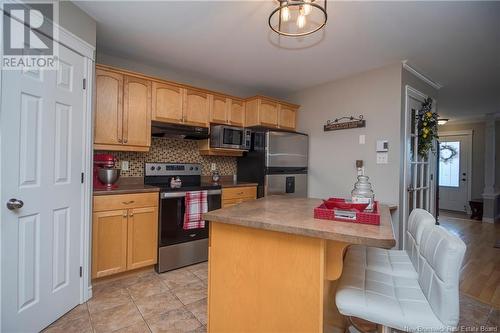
{"x": 105, "y": 172}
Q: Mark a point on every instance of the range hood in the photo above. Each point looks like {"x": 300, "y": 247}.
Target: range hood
{"x": 178, "y": 131}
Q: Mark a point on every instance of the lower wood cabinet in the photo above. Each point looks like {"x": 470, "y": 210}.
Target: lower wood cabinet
{"x": 124, "y": 233}
{"x": 235, "y": 195}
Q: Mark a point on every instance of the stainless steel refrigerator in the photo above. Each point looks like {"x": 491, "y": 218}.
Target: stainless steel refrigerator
{"x": 277, "y": 161}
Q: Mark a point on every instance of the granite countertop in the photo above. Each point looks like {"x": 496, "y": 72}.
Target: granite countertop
{"x": 128, "y": 185}
{"x": 295, "y": 216}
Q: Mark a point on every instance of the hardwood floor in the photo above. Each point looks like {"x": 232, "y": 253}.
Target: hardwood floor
{"x": 480, "y": 276}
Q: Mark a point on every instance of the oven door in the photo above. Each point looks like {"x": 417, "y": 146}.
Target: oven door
{"x": 171, "y": 220}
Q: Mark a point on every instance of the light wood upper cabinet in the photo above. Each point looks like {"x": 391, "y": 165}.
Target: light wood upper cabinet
{"x": 237, "y": 112}
{"x": 267, "y": 112}
{"x": 137, "y": 112}
{"x": 109, "y": 242}
{"x": 127, "y": 102}
{"x": 122, "y": 112}
{"x": 219, "y": 109}
{"x": 287, "y": 117}
{"x": 108, "y": 108}
{"x": 142, "y": 237}
{"x": 124, "y": 238}
{"x": 167, "y": 102}
{"x": 196, "y": 107}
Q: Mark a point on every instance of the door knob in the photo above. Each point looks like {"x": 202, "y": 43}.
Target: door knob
{"x": 13, "y": 204}
{"x": 463, "y": 179}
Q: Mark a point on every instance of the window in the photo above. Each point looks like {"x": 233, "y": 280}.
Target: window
{"x": 449, "y": 163}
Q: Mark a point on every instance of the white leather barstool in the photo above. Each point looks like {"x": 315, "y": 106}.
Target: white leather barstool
{"x": 428, "y": 302}
{"x": 395, "y": 262}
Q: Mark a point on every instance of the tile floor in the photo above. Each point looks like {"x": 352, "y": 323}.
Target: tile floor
{"x": 176, "y": 301}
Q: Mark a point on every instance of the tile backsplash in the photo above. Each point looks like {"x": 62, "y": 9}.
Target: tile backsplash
{"x": 173, "y": 151}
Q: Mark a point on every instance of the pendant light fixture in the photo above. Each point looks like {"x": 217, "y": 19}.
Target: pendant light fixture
{"x": 296, "y": 18}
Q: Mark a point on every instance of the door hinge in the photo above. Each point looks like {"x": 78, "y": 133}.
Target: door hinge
{"x": 83, "y": 177}
{"x": 81, "y": 271}
{"x": 84, "y": 84}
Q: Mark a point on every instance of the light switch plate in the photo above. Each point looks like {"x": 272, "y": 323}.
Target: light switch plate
{"x": 382, "y": 158}
{"x": 362, "y": 139}
{"x": 124, "y": 165}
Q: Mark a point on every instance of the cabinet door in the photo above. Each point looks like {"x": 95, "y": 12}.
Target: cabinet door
{"x": 237, "y": 113}
{"x": 196, "y": 108}
{"x": 287, "y": 117}
{"x": 142, "y": 237}
{"x": 108, "y": 108}
{"x": 218, "y": 109}
{"x": 167, "y": 103}
{"x": 268, "y": 113}
{"x": 109, "y": 243}
{"x": 137, "y": 112}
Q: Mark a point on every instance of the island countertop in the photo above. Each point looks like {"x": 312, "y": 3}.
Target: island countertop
{"x": 295, "y": 216}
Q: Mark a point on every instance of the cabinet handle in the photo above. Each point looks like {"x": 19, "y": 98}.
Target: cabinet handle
{"x": 128, "y": 202}
{"x": 131, "y": 215}
{"x": 125, "y": 141}
{"x": 120, "y": 140}
{"x": 240, "y": 193}
{"x": 125, "y": 215}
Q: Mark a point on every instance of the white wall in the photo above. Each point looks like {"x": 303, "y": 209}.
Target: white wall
{"x": 374, "y": 94}
{"x": 77, "y": 21}
{"x": 167, "y": 73}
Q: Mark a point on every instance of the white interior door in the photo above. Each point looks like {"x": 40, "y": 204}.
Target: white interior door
{"x": 419, "y": 172}
{"x": 42, "y": 159}
{"x": 454, "y": 172}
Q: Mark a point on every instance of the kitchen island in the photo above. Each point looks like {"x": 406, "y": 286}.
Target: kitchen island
{"x": 273, "y": 267}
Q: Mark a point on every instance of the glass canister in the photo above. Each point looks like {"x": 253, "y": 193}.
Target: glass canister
{"x": 363, "y": 192}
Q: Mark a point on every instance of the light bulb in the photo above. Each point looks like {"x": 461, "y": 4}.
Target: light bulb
{"x": 285, "y": 14}
{"x": 306, "y": 9}
{"x": 301, "y": 21}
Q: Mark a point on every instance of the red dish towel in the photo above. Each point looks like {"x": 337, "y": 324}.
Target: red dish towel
{"x": 196, "y": 205}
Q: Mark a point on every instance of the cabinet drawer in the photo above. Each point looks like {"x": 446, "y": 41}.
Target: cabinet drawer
{"x": 239, "y": 192}
{"x": 125, "y": 201}
{"x": 231, "y": 202}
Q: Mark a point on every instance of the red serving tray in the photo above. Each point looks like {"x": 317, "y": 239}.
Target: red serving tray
{"x": 324, "y": 213}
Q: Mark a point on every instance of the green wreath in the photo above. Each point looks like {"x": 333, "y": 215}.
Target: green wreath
{"x": 453, "y": 152}
{"x": 426, "y": 128}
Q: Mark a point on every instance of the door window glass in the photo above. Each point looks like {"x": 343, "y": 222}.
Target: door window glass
{"x": 449, "y": 163}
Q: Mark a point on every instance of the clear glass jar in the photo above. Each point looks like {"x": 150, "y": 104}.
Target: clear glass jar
{"x": 363, "y": 192}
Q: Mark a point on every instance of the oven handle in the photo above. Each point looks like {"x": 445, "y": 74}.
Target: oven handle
{"x": 168, "y": 195}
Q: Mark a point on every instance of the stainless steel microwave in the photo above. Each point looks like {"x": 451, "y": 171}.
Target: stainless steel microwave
{"x": 230, "y": 137}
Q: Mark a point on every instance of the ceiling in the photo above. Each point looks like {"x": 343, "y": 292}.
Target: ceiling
{"x": 455, "y": 43}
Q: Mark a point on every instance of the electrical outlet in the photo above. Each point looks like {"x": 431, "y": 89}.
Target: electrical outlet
{"x": 124, "y": 166}
{"x": 382, "y": 158}
{"x": 213, "y": 167}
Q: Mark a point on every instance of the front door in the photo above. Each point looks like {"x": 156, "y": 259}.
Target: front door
{"x": 419, "y": 172}
{"x": 453, "y": 172}
{"x": 41, "y": 196}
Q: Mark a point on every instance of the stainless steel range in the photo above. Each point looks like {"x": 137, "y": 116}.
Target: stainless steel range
{"x": 178, "y": 247}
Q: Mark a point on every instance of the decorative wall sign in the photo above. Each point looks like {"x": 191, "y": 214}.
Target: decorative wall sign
{"x": 344, "y": 123}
